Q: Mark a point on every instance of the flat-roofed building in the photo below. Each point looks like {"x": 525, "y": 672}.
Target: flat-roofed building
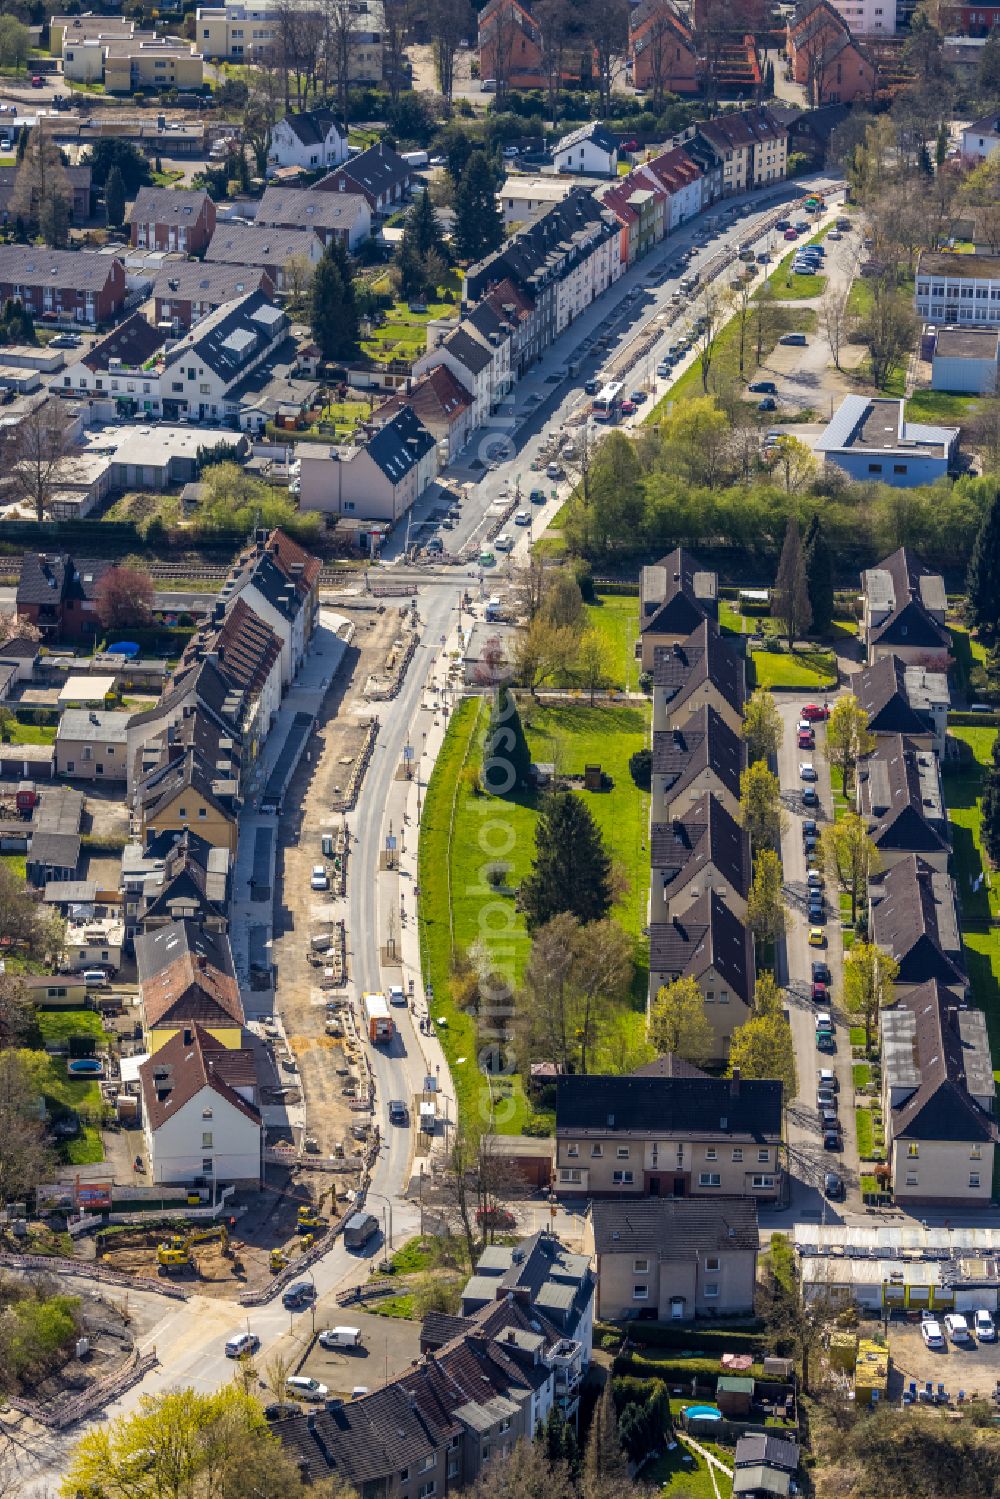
{"x": 871, "y": 440}
{"x": 966, "y": 360}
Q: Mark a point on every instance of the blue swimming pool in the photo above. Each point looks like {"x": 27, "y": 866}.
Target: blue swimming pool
{"x": 85, "y": 1067}
{"x": 703, "y": 1413}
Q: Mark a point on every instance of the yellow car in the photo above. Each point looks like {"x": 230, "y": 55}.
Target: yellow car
{"x": 817, "y": 937}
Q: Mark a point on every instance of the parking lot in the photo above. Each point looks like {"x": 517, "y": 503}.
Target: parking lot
{"x": 388, "y": 1346}
{"x": 974, "y": 1367}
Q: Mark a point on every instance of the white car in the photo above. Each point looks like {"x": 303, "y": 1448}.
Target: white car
{"x": 396, "y": 995}
{"x": 931, "y": 1333}
{"x": 504, "y": 543}
{"x": 319, "y": 880}
{"x": 957, "y": 1328}
{"x": 523, "y": 518}
{"x": 984, "y": 1326}
{"x": 305, "y": 1388}
{"x": 807, "y": 771}
{"x": 241, "y": 1344}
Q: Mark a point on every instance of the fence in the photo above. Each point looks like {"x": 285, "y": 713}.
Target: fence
{"x": 52, "y": 1263}
{"x": 62, "y": 1413}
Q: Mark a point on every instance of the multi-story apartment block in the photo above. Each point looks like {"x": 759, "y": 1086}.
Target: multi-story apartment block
{"x": 168, "y": 218}
{"x": 701, "y": 671}
{"x": 71, "y": 284}
{"x": 752, "y": 145}
{"x": 251, "y": 31}
{"x": 958, "y": 288}
{"x": 657, "y": 1136}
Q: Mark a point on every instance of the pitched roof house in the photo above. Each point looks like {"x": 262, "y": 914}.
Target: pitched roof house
{"x": 902, "y": 802}
{"x": 200, "y": 1117}
{"x": 904, "y": 611}
{"x": 308, "y": 138}
{"x": 674, "y": 1257}
{"x": 378, "y": 479}
{"x": 938, "y": 1098}
{"x": 342, "y": 216}
{"x": 185, "y": 291}
{"x": 171, "y": 218}
{"x": 907, "y": 700}
{"x": 271, "y": 249}
{"x": 702, "y": 755}
{"x": 440, "y": 403}
{"x": 186, "y": 975}
{"x": 634, "y": 1136}
{"x": 700, "y": 671}
{"x": 379, "y": 174}
{"x": 662, "y": 50}
{"x": 702, "y": 848}
{"x": 710, "y": 944}
{"x": 915, "y": 919}
{"x": 57, "y": 593}
{"x": 676, "y": 595}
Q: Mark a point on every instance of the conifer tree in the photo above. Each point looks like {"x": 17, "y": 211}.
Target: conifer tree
{"x": 819, "y": 576}
{"x": 983, "y": 579}
{"x": 571, "y": 869}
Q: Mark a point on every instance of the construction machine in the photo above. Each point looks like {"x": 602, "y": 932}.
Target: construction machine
{"x": 175, "y": 1253}
{"x": 308, "y": 1220}
{"x": 279, "y": 1259}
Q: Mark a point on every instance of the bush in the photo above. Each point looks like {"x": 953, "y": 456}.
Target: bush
{"x": 745, "y": 1339}
{"x": 641, "y": 768}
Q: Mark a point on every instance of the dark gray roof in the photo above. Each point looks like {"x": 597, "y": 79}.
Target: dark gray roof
{"x": 399, "y": 445}
{"x": 705, "y": 742}
{"x": 83, "y": 270}
{"x": 939, "y": 1051}
{"x": 378, "y": 170}
{"x": 690, "y": 1106}
{"x": 167, "y": 205}
{"x": 776, "y": 1452}
{"x": 198, "y": 281}
{"x": 157, "y": 950}
{"x": 674, "y": 1228}
{"x": 900, "y": 795}
{"x": 595, "y": 132}
{"x": 50, "y": 577}
{"x": 676, "y": 594}
{"x": 243, "y": 244}
{"x": 707, "y": 935}
{"x": 680, "y": 669}
{"x": 706, "y": 835}
{"x": 299, "y": 208}
{"x": 133, "y": 342}
{"x": 468, "y": 350}
{"x": 233, "y": 336}
{"x": 915, "y": 591}
{"x": 914, "y": 918}
{"x": 881, "y": 691}
{"x": 54, "y": 850}
{"x": 312, "y": 126}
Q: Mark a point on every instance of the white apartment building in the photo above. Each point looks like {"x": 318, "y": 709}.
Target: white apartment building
{"x": 245, "y": 30}
{"x": 599, "y": 264}
{"x": 868, "y": 17}
{"x": 958, "y": 289}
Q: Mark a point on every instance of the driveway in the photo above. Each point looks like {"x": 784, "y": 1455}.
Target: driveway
{"x": 808, "y": 1160}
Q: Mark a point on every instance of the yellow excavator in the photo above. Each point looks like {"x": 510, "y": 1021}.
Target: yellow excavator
{"x": 175, "y": 1253}
{"x": 308, "y": 1220}
{"x": 279, "y": 1259}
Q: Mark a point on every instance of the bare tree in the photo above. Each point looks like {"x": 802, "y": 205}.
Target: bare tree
{"x": 260, "y": 112}
{"x": 889, "y": 329}
{"x": 397, "y": 18}
{"x": 42, "y": 194}
{"x": 715, "y": 306}
{"x": 25, "y": 1159}
{"x": 477, "y": 1179}
{"x": 450, "y": 21}
{"x": 607, "y": 24}
{"x": 743, "y": 299}
{"x": 659, "y": 38}
{"x": 554, "y": 21}
{"x": 40, "y": 448}
{"x": 833, "y": 316}
{"x": 339, "y": 23}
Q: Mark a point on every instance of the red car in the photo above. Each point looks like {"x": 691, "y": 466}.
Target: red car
{"x": 37, "y": 81}
{"x": 807, "y": 739}
{"x": 819, "y": 993}
{"x": 813, "y": 712}
{"x": 791, "y": 234}
{"x": 628, "y": 407}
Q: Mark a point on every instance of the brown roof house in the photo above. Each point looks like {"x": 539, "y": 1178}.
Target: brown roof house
{"x": 58, "y": 593}
{"x": 710, "y": 944}
{"x": 200, "y": 1116}
{"x": 703, "y": 755}
{"x": 914, "y": 918}
{"x": 442, "y": 404}
{"x": 901, "y": 800}
{"x": 677, "y": 594}
{"x": 186, "y": 975}
{"x": 938, "y": 1098}
{"x": 701, "y": 671}
{"x": 703, "y": 848}
{"x": 904, "y": 611}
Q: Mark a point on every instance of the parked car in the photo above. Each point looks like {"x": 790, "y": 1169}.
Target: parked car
{"x": 957, "y": 1328}
{"x": 820, "y": 972}
{"x": 298, "y": 1295}
{"x": 832, "y": 1140}
{"x": 504, "y": 542}
{"x": 985, "y": 1327}
{"x": 817, "y": 936}
{"x": 814, "y": 880}
{"x": 791, "y": 234}
{"x": 798, "y": 340}
{"x": 819, "y": 994}
{"x": 930, "y": 1331}
{"x": 340, "y": 1337}
{"x": 763, "y": 388}
{"x": 806, "y": 739}
{"x": 826, "y": 1099}
{"x": 810, "y": 796}
{"x": 816, "y": 912}
{"x": 304, "y": 1388}
{"x": 833, "y": 1186}
{"x": 537, "y": 497}
{"x": 398, "y": 1112}
{"x": 554, "y": 471}
{"x": 638, "y": 396}
{"x": 319, "y": 879}
{"x": 767, "y": 404}
{"x": 663, "y": 368}
{"x": 813, "y": 713}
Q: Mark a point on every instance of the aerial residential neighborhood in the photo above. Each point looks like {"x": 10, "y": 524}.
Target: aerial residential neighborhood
{"x": 500, "y": 750}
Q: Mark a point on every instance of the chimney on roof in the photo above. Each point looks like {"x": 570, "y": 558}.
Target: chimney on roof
{"x": 188, "y": 1036}
{"x": 734, "y": 1083}
{"x": 202, "y": 962}
{"x": 953, "y": 1017}
{"x": 218, "y": 613}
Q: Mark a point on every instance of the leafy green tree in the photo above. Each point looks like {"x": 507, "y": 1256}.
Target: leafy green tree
{"x": 869, "y": 977}
{"x": 762, "y": 726}
{"x": 571, "y": 870}
{"x": 791, "y": 589}
{"x": 848, "y": 737}
{"x": 851, "y": 858}
{"x": 334, "y": 311}
{"x": 760, "y": 806}
{"x": 990, "y": 826}
{"x": 762, "y": 1047}
{"x": 819, "y": 576}
{"x": 679, "y": 1024}
{"x": 506, "y": 757}
{"x": 983, "y": 579}
{"x": 114, "y": 197}
{"x": 604, "y": 1464}
{"x": 15, "y": 42}
{"x": 130, "y": 161}
{"x": 478, "y": 221}
{"x": 766, "y": 901}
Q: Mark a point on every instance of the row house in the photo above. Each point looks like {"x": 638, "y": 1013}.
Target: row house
{"x": 650, "y": 1134}
{"x": 640, "y": 204}
{"x": 913, "y": 916}
{"x": 662, "y": 53}
{"x": 57, "y": 594}
{"x": 279, "y": 581}
{"x": 711, "y": 944}
{"x": 345, "y": 217}
{"x": 376, "y": 478}
{"x": 169, "y": 218}
{"x": 901, "y": 801}
{"x": 471, "y": 363}
{"x": 201, "y": 1115}
{"x": 511, "y": 51}
{"x": 681, "y": 176}
{"x": 440, "y": 403}
{"x": 702, "y": 848}
{"x": 270, "y": 249}
{"x": 453, "y": 1417}
{"x": 81, "y": 286}
{"x": 957, "y": 289}
{"x": 247, "y": 652}
{"x": 186, "y": 972}
{"x": 174, "y": 877}
{"x": 186, "y": 291}
{"x": 905, "y": 699}
{"x": 752, "y": 145}
{"x": 380, "y": 175}
{"x": 701, "y": 671}
{"x": 703, "y": 755}
{"x": 79, "y": 180}
{"x": 676, "y": 595}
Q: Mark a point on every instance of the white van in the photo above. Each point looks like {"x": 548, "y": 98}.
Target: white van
{"x": 95, "y": 978}
{"x": 305, "y": 1388}
{"x": 340, "y": 1337}
{"x": 241, "y": 1343}
{"x": 504, "y": 543}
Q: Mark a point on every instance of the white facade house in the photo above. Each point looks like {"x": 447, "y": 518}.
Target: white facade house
{"x": 598, "y": 266}
{"x": 377, "y": 480}
{"x": 868, "y": 17}
{"x": 523, "y": 195}
{"x": 199, "y": 1113}
{"x": 592, "y": 150}
{"x": 471, "y": 364}
{"x": 310, "y": 138}
{"x": 958, "y": 289}
{"x": 966, "y": 360}
{"x": 981, "y": 139}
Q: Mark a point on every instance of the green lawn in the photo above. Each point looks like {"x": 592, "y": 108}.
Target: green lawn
{"x": 404, "y": 333}
{"x": 686, "y": 1472}
{"x": 790, "y": 288}
{"x": 57, "y": 1026}
{"x": 480, "y": 829}
{"x": 866, "y": 1133}
{"x": 62, "y": 1093}
{"x": 29, "y": 733}
{"x": 862, "y": 1074}
{"x": 939, "y": 406}
{"x": 857, "y": 1033}
{"x": 725, "y": 359}
{"x": 968, "y": 651}
{"x": 17, "y": 864}
{"x": 812, "y": 670}
{"x": 963, "y": 797}
{"x": 616, "y": 616}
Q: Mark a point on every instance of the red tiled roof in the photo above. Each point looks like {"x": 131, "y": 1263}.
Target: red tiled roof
{"x": 186, "y": 1064}
{"x": 192, "y": 989}
{"x": 285, "y": 552}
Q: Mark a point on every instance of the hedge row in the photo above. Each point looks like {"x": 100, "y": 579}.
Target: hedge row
{"x": 959, "y": 720}
{"x": 671, "y": 1371}
{"x": 749, "y": 1338}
